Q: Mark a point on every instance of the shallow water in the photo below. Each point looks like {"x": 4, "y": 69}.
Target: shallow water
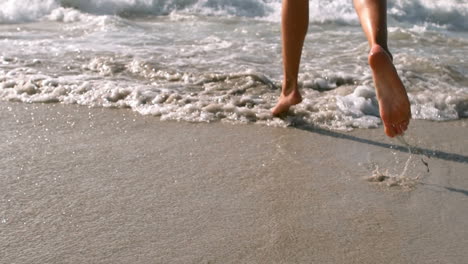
{"x": 206, "y": 61}
{"x": 404, "y": 171}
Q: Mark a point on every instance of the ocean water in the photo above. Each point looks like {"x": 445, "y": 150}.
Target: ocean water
{"x": 220, "y": 60}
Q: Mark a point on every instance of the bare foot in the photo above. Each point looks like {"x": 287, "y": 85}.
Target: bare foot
{"x": 394, "y": 105}
{"x": 286, "y": 101}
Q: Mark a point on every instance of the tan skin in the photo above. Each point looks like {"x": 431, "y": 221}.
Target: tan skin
{"x": 394, "y": 105}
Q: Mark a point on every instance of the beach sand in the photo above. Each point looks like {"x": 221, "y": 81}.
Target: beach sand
{"x": 93, "y": 185}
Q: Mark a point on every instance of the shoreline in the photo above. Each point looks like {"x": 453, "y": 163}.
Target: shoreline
{"x": 101, "y": 185}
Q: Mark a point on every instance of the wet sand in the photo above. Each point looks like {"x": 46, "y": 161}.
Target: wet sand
{"x": 84, "y": 185}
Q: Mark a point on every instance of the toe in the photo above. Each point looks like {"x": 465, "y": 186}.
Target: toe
{"x": 280, "y": 110}
{"x": 404, "y": 126}
{"x": 390, "y": 131}
{"x": 398, "y": 130}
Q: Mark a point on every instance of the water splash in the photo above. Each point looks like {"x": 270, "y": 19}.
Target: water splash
{"x": 410, "y": 150}
{"x": 399, "y": 179}
{"x": 403, "y": 141}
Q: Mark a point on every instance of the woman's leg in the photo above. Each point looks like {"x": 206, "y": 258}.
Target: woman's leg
{"x": 294, "y": 24}
{"x": 394, "y": 105}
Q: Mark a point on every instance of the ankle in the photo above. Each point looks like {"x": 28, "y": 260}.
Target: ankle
{"x": 289, "y": 87}
{"x": 376, "y": 48}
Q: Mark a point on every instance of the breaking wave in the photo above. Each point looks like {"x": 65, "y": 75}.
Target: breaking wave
{"x": 449, "y": 14}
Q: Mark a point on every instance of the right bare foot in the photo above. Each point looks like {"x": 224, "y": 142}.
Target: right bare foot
{"x": 394, "y": 105}
{"x": 286, "y": 101}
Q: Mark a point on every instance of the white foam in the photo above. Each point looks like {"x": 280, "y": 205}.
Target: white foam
{"x": 360, "y": 103}
{"x": 67, "y": 15}
{"x": 238, "y": 98}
